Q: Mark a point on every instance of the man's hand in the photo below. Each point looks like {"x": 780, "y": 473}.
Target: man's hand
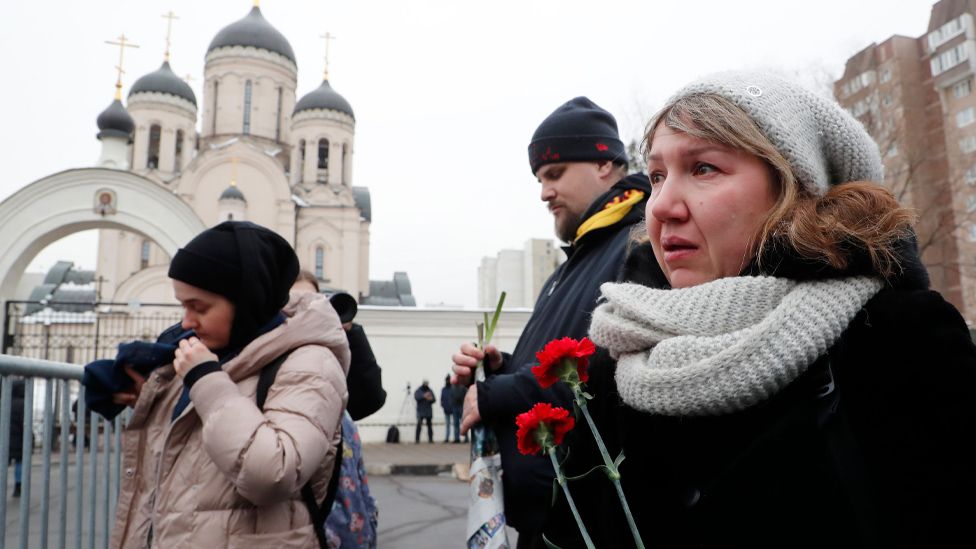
{"x": 467, "y": 358}
{"x": 470, "y": 416}
{"x": 130, "y": 397}
{"x": 190, "y": 354}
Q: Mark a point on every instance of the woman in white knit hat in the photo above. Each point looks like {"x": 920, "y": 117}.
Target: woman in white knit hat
{"x": 786, "y": 379}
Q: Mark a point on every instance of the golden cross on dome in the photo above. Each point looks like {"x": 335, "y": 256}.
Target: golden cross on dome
{"x": 122, "y": 42}
{"x": 328, "y": 37}
{"x": 188, "y": 78}
{"x": 257, "y": 3}
{"x": 168, "y": 16}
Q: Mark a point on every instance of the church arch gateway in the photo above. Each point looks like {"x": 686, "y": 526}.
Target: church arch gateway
{"x": 81, "y": 199}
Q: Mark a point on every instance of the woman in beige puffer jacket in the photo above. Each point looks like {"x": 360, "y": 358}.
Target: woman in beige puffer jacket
{"x": 223, "y": 473}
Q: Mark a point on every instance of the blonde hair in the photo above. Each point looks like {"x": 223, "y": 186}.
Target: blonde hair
{"x": 823, "y": 229}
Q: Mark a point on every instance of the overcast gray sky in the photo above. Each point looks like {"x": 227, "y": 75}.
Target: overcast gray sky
{"x": 447, "y": 93}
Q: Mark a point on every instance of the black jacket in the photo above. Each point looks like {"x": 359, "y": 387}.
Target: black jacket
{"x": 871, "y": 447}
{"x": 562, "y": 310}
{"x": 365, "y": 379}
{"x": 425, "y": 407}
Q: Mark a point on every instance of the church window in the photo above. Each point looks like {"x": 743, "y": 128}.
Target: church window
{"x": 345, "y": 163}
{"x": 320, "y": 263}
{"x": 213, "y": 126}
{"x": 301, "y": 160}
{"x": 247, "y": 107}
{"x": 278, "y": 118}
{"x": 152, "y": 158}
{"x": 178, "y": 157}
{"x": 144, "y": 255}
{"x": 323, "y": 154}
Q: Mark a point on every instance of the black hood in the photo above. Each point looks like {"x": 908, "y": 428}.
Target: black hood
{"x": 781, "y": 260}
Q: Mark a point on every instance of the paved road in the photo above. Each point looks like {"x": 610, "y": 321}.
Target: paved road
{"x": 415, "y": 511}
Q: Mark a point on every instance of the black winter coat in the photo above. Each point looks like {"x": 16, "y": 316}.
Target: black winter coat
{"x": 365, "y": 378}
{"x": 871, "y": 447}
{"x": 16, "y": 433}
{"x": 425, "y": 407}
{"x": 562, "y": 310}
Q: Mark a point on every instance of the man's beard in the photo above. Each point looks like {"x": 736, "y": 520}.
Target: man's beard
{"x": 566, "y": 226}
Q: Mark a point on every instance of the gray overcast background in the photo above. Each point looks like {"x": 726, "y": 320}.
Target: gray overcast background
{"x": 447, "y": 93}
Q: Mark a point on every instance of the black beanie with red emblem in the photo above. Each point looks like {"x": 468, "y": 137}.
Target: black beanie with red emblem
{"x": 577, "y": 131}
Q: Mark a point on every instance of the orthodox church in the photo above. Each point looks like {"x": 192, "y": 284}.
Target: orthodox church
{"x": 259, "y": 155}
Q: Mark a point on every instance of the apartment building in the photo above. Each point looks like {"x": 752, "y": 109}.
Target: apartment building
{"x": 915, "y": 96}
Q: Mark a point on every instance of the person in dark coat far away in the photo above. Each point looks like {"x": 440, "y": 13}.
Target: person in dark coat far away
{"x": 452, "y": 419}
{"x": 798, "y": 384}
{"x": 425, "y": 409}
{"x": 578, "y": 157}
{"x": 16, "y": 435}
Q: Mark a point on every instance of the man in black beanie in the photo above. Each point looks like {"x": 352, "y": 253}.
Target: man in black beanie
{"x": 238, "y": 259}
{"x": 577, "y": 156}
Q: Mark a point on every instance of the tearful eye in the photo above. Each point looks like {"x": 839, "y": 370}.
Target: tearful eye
{"x": 704, "y": 169}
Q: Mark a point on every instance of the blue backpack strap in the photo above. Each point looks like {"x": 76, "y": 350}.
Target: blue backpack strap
{"x": 318, "y": 512}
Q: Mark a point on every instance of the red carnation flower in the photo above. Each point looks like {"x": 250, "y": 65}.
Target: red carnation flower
{"x": 542, "y": 427}
{"x": 565, "y": 359}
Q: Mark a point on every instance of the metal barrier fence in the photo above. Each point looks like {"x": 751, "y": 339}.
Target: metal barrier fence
{"x": 79, "y": 333}
{"x": 85, "y": 500}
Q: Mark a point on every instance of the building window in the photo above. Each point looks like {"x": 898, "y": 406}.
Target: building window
{"x": 247, "y": 107}
{"x": 964, "y": 88}
{"x": 949, "y": 58}
{"x": 178, "y": 154}
{"x": 945, "y": 33}
{"x": 323, "y": 154}
{"x": 144, "y": 255}
{"x": 345, "y": 163}
{"x": 886, "y": 76}
{"x": 323, "y": 164}
{"x": 965, "y": 117}
{"x": 301, "y": 160}
{"x": 968, "y": 144}
{"x": 320, "y": 263}
{"x": 152, "y": 157}
{"x": 857, "y": 83}
{"x": 278, "y": 118}
{"x": 213, "y": 124}
{"x": 970, "y": 176}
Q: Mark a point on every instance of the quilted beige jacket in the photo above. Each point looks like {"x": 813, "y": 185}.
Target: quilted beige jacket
{"x": 224, "y": 474}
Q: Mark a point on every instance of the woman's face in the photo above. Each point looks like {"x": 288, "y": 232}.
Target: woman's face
{"x": 707, "y": 205}
{"x": 208, "y": 314}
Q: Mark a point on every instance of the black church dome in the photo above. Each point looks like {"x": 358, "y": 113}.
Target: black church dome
{"x": 324, "y": 97}
{"x": 255, "y": 31}
{"x": 232, "y": 193}
{"x": 115, "y": 121}
{"x": 164, "y": 80}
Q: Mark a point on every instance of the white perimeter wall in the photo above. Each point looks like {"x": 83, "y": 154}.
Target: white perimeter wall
{"x": 413, "y": 344}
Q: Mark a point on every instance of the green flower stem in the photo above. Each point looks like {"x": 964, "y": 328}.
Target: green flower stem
{"x": 612, "y": 472}
{"x": 572, "y": 505}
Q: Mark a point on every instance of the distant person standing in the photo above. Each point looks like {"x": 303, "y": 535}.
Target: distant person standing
{"x": 16, "y": 434}
{"x": 452, "y": 413}
{"x": 425, "y": 410}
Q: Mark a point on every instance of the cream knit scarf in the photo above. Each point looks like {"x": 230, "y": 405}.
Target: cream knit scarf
{"x": 722, "y": 346}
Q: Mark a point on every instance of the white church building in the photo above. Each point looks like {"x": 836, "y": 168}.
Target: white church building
{"x": 259, "y": 155}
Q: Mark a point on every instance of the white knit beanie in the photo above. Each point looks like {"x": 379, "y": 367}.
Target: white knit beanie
{"x": 822, "y": 142}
